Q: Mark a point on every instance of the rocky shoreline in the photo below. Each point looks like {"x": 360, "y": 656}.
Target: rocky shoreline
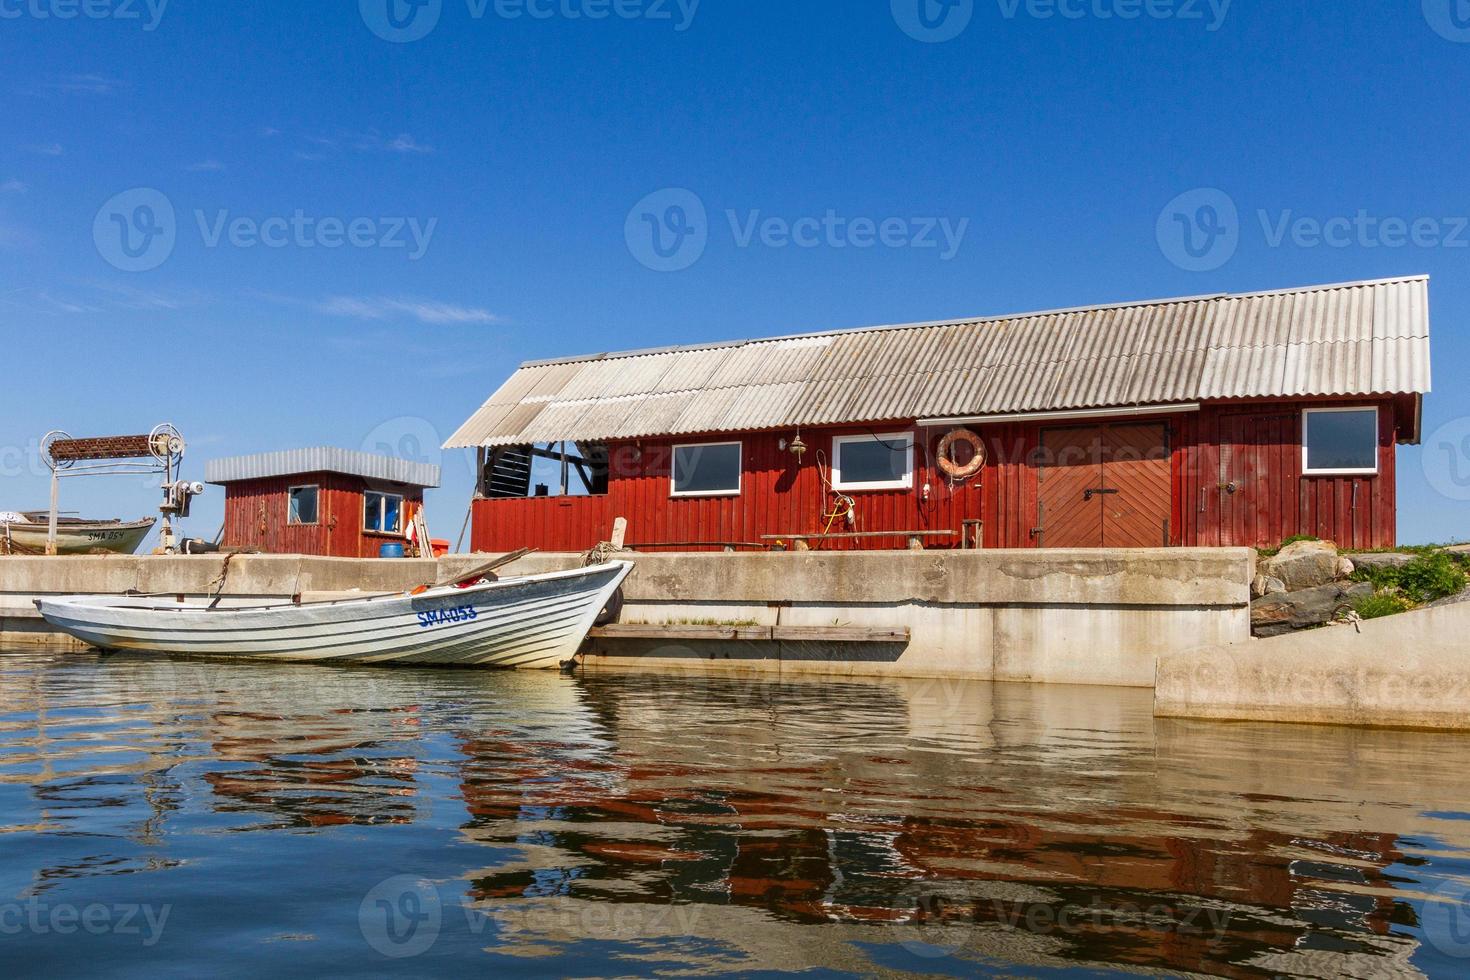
{"x": 1309, "y": 583}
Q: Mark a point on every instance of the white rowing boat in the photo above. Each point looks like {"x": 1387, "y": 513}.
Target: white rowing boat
{"x": 25, "y": 534}
{"x": 537, "y": 621}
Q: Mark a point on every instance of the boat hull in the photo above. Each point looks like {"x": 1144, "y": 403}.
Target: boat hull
{"x": 76, "y": 538}
{"x": 536, "y": 622}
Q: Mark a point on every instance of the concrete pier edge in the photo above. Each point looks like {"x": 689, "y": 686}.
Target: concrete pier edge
{"x": 1406, "y": 671}
{"x": 1070, "y": 617}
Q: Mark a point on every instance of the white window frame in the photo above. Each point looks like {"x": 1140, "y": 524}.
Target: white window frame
{"x": 305, "y": 486}
{"x": 838, "y": 483}
{"x": 402, "y": 515}
{"x": 1307, "y": 414}
{"x": 674, "y": 490}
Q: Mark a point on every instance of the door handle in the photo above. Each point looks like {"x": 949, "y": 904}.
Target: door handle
{"x": 1230, "y": 487}
{"x": 1100, "y": 491}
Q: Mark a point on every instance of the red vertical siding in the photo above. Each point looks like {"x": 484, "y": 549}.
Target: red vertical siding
{"x": 780, "y": 496}
{"x": 255, "y": 517}
{"x": 1262, "y": 446}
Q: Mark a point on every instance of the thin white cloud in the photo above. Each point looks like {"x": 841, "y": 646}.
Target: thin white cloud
{"x": 316, "y": 146}
{"x": 205, "y": 167}
{"x": 42, "y": 303}
{"x": 122, "y": 297}
{"x": 91, "y": 297}
{"x": 13, "y": 186}
{"x": 385, "y": 308}
{"x": 83, "y": 84}
{"x": 404, "y": 143}
{"x": 269, "y": 132}
{"x": 45, "y": 149}
{"x": 59, "y": 304}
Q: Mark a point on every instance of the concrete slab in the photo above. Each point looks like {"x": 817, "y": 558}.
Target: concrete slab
{"x": 1406, "y": 671}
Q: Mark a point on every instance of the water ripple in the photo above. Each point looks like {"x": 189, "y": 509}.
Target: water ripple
{"x": 245, "y": 818}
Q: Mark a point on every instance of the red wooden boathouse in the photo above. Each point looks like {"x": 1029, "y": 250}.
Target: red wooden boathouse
{"x": 325, "y": 501}
{"x": 1209, "y": 421}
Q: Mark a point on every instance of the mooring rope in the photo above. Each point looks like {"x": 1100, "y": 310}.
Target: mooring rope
{"x": 602, "y": 553}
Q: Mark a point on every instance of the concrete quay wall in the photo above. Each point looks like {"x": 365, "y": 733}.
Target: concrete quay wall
{"x": 1405, "y": 671}
{"x": 1076, "y": 617}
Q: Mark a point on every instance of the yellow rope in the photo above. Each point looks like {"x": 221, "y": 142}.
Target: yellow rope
{"x": 845, "y": 508}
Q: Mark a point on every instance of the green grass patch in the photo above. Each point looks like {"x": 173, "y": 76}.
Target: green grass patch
{"x": 1430, "y": 576}
{"x": 1381, "y": 605}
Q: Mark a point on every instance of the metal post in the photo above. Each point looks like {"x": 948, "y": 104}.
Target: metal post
{"x": 166, "y": 529}
{"x": 55, "y": 504}
{"x": 566, "y": 474}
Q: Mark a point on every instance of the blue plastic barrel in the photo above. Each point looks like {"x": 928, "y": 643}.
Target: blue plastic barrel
{"x": 391, "y": 551}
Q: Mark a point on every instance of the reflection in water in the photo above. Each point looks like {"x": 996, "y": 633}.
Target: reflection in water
{"x": 337, "y": 819}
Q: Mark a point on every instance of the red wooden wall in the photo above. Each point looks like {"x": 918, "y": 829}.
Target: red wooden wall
{"x": 255, "y": 517}
{"x": 781, "y": 497}
{"x": 778, "y": 496}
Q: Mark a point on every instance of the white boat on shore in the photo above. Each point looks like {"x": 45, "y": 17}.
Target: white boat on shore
{"x": 25, "y": 534}
{"x": 532, "y": 622}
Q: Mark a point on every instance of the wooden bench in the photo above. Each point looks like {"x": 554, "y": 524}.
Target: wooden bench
{"x": 915, "y": 538}
{"x": 729, "y": 547}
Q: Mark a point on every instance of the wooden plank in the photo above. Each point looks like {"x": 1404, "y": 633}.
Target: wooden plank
{"x": 676, "y": 631}
{"x": 841, "y": 634}
{"x": 485, "y": 569}
{"x": 860, "y": 534}
{"x": 674, "y": 545}
{"x": 727, "y": 634}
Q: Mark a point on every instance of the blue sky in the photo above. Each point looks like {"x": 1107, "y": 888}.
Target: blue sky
{"x": 476, "y": 183}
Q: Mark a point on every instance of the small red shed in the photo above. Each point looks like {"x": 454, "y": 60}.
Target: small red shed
{"x": 1226, "y": 420}
{"x": 325, "y": 501}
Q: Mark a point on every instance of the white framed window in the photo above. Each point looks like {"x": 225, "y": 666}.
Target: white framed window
{"x": 710, "y": 469}
{"x": 1340, "y": 441}
{"x": 873, "y": 462}
{"x": 382, "y": 513}
{"x": 303, "y": 505}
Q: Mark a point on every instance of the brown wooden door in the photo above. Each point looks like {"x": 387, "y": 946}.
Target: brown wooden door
{"x": 1136, "y": 464}
{"x": 1260, "y": 468}
{"x": 1105, "y": 487}
{"x": 1069, "y": 475}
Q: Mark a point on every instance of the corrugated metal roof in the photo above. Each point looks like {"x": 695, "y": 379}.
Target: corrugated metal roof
{"x": 1364, "y": 338}
{"x": 294, "y": 462}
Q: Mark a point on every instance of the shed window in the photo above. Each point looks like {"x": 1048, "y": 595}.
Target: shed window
{"x": 301, "y": 505}
{"x": 1340, "y": 441}
{"x": 875, "y": 462}
{"x": 708, "y": 470}
{"x": 382, "y": 513}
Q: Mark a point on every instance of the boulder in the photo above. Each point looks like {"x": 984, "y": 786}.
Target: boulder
{"x": 1304, "y": 565}
{"x": 1389, "y": 559}
{"x": 1265, "y": 585}
{"x": 1274, "y": 615}
{"x": 1346, "y": 567}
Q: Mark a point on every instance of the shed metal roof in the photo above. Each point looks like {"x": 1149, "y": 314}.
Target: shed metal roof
{"x": 296, "y": 462}
{"x": 1362, "y": 338}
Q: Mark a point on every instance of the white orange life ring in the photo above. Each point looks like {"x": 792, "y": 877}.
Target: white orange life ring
{"x": 947, "y": 463}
